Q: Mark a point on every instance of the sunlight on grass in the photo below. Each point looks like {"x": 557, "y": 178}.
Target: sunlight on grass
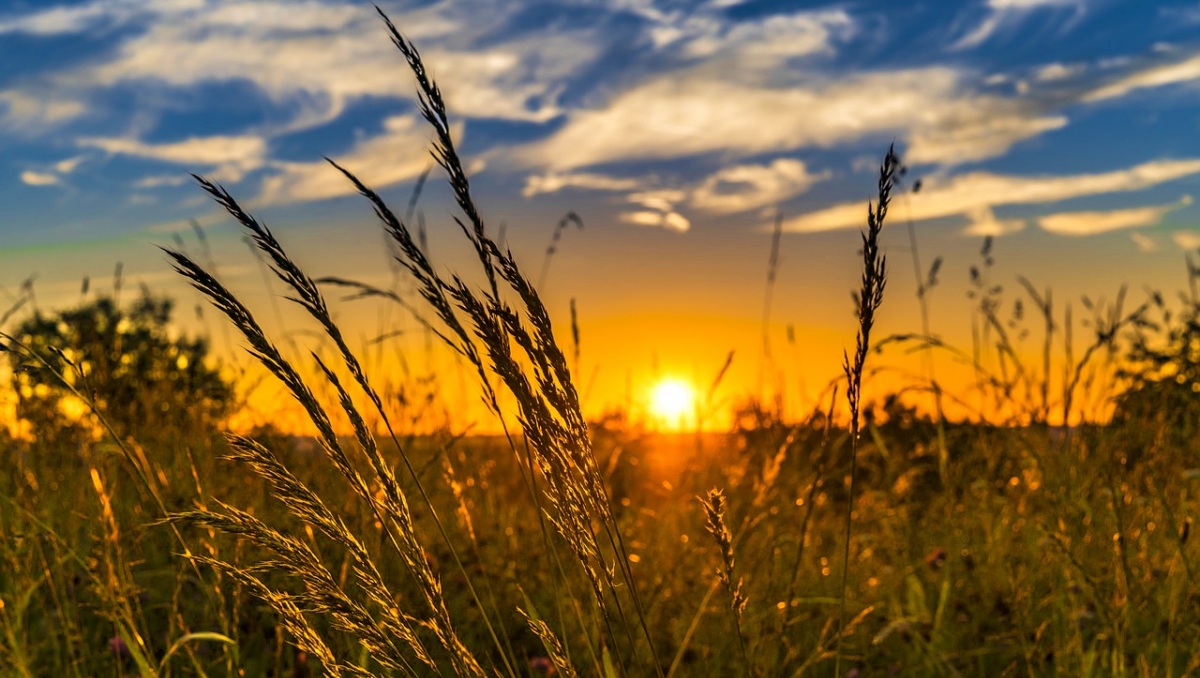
{"x": 142, "y": 532}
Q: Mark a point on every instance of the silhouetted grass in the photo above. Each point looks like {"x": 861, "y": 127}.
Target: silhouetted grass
{"x": 889, "y": 543}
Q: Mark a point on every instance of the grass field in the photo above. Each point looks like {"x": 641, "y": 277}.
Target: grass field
{"x": 866, "y": 539}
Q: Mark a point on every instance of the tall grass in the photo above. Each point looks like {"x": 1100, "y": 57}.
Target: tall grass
{"x": 869, "y": 298}
{"x": 509, "y": 339}
{"x": 1020, "y": 550}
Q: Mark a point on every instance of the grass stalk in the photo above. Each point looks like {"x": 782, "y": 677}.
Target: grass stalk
{"x": 870, "y": 296}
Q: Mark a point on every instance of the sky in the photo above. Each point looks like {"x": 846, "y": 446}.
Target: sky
{"x": 678, "y": 131}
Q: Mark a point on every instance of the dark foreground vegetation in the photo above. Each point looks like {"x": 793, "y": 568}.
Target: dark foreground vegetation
{"x": 137, "y": 539}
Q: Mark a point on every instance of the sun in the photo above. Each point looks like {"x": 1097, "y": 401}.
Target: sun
{"x": 673, "y": 402}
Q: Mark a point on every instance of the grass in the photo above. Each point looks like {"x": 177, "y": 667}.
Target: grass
{"x": 889, "y": 544}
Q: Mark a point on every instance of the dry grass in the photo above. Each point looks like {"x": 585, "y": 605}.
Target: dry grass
{"x": 555, "y": 547}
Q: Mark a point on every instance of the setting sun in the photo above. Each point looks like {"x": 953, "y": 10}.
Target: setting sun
{"x": 672, "y": 402}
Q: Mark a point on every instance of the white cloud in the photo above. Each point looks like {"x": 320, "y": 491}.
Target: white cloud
{"x": 321, "y": 56}
{"x": 311, "y": 58}
{"x": 658, "y": 210}
{"x": 663, "y": 200}
{"x": 976, "y": 129}
{"x": 745, "y": 187}
{"x": 1004, "y": 15}
{"x": 1160, "y": 75}
{"x": 1056, "y": 71}
{"x": 160, "y": 180}
{"x": 1144, "y": 242}
{"x": 1188, "y": 240}
{"x": 396, "y": 155}
{"x": 767, "y": 42}
{"x": 672, "y": 221}
{"x": 29, "y": 110}
{"x": 1001, "y": 5}
{"x": 33, "y": 178}
{"x": 737, "y": 188}
{"x": 689, "y": 114}
{"x": 984, "y": 223}
{"x": 555, "y": 181}
{"x": 68, "y": 165}
{"x": 65, "y": 20}
{"x": 232, "y": 155}
{"x": 1092, "y": 222}
{"x": 964, "y": 194}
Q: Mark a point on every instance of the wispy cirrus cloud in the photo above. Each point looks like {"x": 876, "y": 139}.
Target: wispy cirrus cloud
{"x": 983, "y": 222}
{"x": 1147, "y": 77}
{"x": 1188, "y": 240}
{"x": 28, "y": 109}
{"x": 33, "y": 178}
{"x": 747, "y": 187}
{"x": 1006, "y": 15}
{"x": 967, "y": 194}
{"x": 554, "y": 182}
{"x": 737, "y": 188}
{"x": 315, "y": 56}
{"x": 694, "y": 114}
{"x": 380, "y": 160}
{"x": 231, "y": 156}
{"x": 1091, "y": 222}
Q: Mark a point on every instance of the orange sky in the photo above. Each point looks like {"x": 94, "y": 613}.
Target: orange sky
{"x": 676, "y": 131}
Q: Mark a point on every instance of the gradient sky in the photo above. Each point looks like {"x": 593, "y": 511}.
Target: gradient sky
{"x": 677, "y": 130}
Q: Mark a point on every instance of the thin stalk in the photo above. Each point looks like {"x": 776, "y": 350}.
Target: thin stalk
{"x": 870, "y": 296}
{"x": 768, "y": 361}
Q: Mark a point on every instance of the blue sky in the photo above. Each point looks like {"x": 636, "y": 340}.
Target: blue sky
{"x": 683, "y": 111}
{"x": 1064, "y": 126}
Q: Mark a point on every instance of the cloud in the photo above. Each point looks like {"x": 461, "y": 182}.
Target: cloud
{"x": 1092, "y": 222}
{"x": 1144, "y": 242}
{"x": 68, "y": 165}
{"x": 745, "y": 187}
{"x": 658, "y": 210}
{"x": 394, "y": 156}
{"x": 232, "y": 155}
{"x": 64, "y": 20}
{"x": 160, "y": 180}
{"x": 1159, "y": 75}
{"x": 693, "y": 113}
{"x": 964, "y": 194}
{"x": 1056, "y": 71}
{"x": 732, "y": 189}
{"x": 1188, "y": 240}
{"x": 315, "y": 55}
{"x": 310, "y": 58}
{"x": 764, "y": 43}
{"x": 554, "y": 182}
{"x": 39, "y": 178}
{"x": 1004, "y": 15}
{"x": 671, "y": 221}
{"x": 984, "y": 223}
{"x": 32, "y": 109}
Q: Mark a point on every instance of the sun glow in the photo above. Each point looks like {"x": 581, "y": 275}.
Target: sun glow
{"x": 673, "y": 403}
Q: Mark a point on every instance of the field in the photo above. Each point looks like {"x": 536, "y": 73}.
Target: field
{"x": 868, "y": 538}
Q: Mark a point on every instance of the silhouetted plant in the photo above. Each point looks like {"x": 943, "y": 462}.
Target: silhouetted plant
{"x": 1163, "y": 397}
{"x": 147, "y": 383}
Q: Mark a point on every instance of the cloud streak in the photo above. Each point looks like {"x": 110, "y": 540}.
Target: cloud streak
{"x": 394, "y": 156}
{"x": 1093, "y": 222}
{"x": 694, "y": 114}
{"x": 968, "y": 194}
{"x": 232, "y": 156}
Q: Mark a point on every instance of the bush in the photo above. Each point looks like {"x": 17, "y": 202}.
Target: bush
{"x": 146, "y": 384}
